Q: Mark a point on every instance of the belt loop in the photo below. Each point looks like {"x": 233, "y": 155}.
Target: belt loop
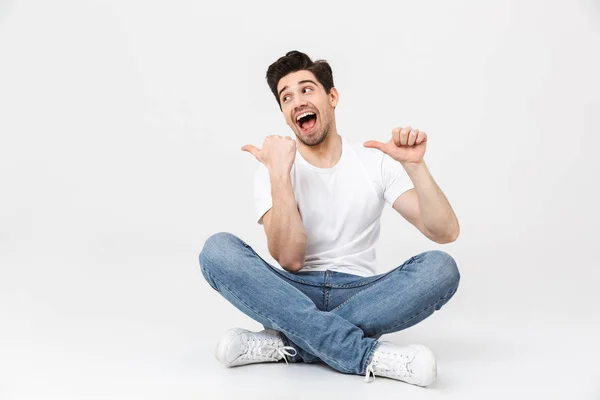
{"x": 327, "y": 282}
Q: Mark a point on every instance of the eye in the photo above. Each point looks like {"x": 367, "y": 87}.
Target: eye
{"x": 285, "y": 98}
{"x": 308, "y": 88}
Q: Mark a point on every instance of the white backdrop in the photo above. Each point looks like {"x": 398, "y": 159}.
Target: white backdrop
{"x": 121, "y": 124}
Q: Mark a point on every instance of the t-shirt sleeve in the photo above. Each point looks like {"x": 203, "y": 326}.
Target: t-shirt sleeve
{"x": 262, "y": 192}
{"x": 395, "y": 179}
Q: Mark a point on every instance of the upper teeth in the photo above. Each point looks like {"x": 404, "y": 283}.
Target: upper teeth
{"x": 304, "y": 115}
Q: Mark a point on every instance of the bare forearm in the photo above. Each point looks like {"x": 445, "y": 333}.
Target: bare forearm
{"x": 435, "y": 210}
{"x": 287, "y": 236}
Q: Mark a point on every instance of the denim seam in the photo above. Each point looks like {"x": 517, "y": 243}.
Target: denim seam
{"x": 370, "y": 287}
{"x": 311, "y": 350}
{"x": 370, "y": 355}
{"x": 353, "y": 285}
{"x": 326, "y": 289}
{"x": 205, "y": 272}
{"x": 359, "y": 284}
{"x": 395, "y": 328}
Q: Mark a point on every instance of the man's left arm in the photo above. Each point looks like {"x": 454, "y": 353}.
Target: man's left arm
{"x": 425, "y": 206}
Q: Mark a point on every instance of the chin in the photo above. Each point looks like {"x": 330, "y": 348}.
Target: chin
{"x": 313, "y": 140}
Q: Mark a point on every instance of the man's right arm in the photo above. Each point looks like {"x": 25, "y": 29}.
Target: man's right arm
{"x": 286, "y": 236}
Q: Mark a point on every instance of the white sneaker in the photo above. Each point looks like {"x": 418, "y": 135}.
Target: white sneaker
{"x": 240, "y": 347}
{"x": 414, "y": 364}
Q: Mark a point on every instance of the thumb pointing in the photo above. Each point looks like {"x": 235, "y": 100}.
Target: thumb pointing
{"x": 373, "y": 144}
{"x": 251, "y": 149}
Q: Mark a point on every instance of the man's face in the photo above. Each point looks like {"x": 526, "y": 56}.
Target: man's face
{"x": 307, "y": 109}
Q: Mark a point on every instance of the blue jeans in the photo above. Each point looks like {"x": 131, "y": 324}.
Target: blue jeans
{"x": 328, "y": 316}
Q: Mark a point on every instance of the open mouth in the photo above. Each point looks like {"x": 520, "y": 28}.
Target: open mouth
{"x": 306, "y": 121}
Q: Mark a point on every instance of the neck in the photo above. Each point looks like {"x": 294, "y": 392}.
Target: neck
{"x": 324, "y": 155}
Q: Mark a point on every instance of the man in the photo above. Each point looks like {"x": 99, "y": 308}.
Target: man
{"x": 320, "y": 200}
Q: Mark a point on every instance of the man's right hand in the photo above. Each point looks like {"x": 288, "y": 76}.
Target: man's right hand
{"x": 286, "y": 235}
{"x": 277, "y": 154}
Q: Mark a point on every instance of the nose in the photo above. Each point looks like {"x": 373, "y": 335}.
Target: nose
{"x": 299, "y": 103}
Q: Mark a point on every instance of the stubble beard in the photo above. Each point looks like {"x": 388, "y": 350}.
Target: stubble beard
{"x": 315, "y": 139}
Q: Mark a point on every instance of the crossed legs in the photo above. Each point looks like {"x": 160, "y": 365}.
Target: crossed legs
{"x": 344, "y": 337}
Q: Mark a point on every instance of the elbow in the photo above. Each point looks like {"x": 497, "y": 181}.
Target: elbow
{"x": 292, "y": 267}
{"x": 445, "y": 240}
{"x": 292, "y": 264}
{"x": 449, "y": 237}
{"x": 291, "y": 257}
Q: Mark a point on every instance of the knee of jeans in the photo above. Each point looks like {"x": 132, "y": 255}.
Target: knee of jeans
{"x": 443, "y": 269}
{"x": 216, "y": 249}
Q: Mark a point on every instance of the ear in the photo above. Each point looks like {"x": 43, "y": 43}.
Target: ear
{"x": 334, "y": 97}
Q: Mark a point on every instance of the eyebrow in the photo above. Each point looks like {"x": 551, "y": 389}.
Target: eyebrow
{"x": 299, "y": 83}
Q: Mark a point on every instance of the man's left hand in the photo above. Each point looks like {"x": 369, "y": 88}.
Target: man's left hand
{"x": 407, "y": 145}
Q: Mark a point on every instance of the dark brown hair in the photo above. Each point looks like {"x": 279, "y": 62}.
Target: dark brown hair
{"x": 296, "y": 61}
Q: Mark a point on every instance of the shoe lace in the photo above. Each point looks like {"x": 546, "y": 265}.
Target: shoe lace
{"x": 400, "y": 367}
{"x": 267, "y": 348}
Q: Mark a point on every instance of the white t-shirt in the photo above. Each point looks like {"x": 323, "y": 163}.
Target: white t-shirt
{"x": 340, "y": 206}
